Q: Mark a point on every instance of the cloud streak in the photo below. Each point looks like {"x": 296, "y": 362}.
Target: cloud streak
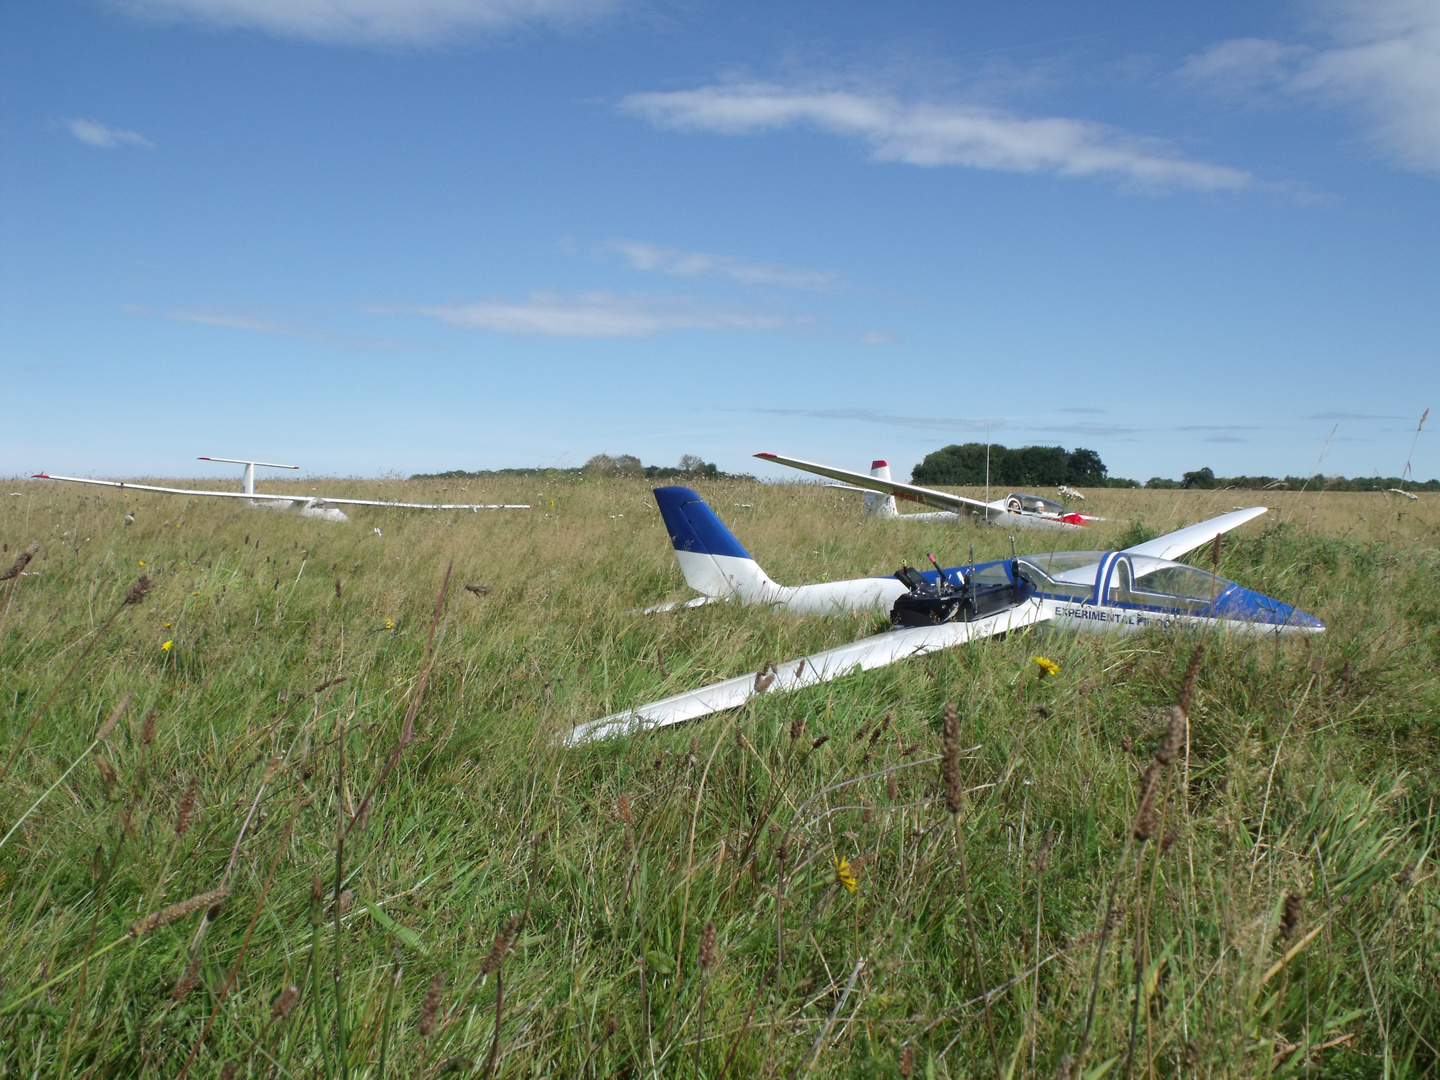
{"x": 93, "y": 133}
{"x": 936, "y": 134}
{"x": 601, "y": 315}
{"x": 646, "y": 256}
{"x": 372, "y": 22}
{"x": 231, "y": 321}
{"x": 875, "y": 416}
{"x": 1383, "y": 62}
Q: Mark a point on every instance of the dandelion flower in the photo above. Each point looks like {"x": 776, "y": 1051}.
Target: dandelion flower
{"x": 142, "y": 562}
{"x": 166, "y": 625}
{"x": 845, "y": 875}
{"x": 1046, "y": 666}
{"x": 389, "y": 624}
{"x": 166, "y": 646}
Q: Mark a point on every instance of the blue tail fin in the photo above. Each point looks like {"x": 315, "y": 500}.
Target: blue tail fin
{"x": 693, "y": 526}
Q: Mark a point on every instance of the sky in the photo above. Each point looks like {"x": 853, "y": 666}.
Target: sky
{"x": 379, "y": 237}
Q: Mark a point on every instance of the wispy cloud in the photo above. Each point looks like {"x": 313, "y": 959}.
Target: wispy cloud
{"x": 372, "y": 22}
{"x": 646, "y": 256}
{"x": 601, "y": 315}
{"x": 1087, "y": 410}
{"x": 1382, "y": 60}
{"x": 93, "y": 133}
{"x": 231, "y": 321}
{"x": 875, "y": 416}
{"x": 1351, "y": 416}
{"x": 938, "y": 134}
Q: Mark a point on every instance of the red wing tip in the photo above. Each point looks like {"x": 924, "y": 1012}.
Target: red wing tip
{"x": 766, "y": 454}
{"x": 878, "y": 464}
{"x": 41, "y": 476}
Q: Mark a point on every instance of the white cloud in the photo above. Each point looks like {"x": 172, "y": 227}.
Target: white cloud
{"x": 95, "y": 134}
{"x": 1383, "y": 60}
{"x": 370, "y": 22}
{"x": 931, "y": 134}
{"x": 600, "y": 315}
{"x": 231, "y": 321}
{"x": 646, "y": 256}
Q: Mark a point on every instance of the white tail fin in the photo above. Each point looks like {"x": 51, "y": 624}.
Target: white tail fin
{"x": 247, "y": 483}
{"x": 710, "y": 557}
{"x": 876, "y": 504}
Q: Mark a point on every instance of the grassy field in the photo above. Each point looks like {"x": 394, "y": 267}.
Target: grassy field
{"x": 285, "y": 815}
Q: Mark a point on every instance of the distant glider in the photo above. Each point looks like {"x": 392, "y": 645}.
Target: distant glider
{"x": 1014, "y": 511}
{"x": 1126, "y": 591}
{"x": 313, "y": 506}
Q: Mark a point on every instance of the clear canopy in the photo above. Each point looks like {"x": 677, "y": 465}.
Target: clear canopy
{"x": 1175, "y": 579}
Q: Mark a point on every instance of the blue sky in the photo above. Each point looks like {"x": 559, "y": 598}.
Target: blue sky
{"x": 378, "y": 236}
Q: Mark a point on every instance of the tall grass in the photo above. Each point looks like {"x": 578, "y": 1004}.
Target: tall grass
{"x": 334, "y": 833}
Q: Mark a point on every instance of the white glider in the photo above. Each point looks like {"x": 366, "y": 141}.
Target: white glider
{"x": 1017, "y": 510}
{"x": 315, "y": 506}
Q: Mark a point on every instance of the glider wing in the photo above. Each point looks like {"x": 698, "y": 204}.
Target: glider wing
{"x": 267, "y": 496}
{"x": 868, "y": 653}
{"x": 956, "y": 504}
{"x": 1182, "y": 541}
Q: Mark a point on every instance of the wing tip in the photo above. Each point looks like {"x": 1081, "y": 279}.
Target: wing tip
{"x": 767, "y": 455}
{"x": 40, "y": 476}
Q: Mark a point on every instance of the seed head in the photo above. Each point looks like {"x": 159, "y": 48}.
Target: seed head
{"x": 950, "y": 760}
{"x": 1187, "y": 688}
{"x": 816, "y": 743}
{"x": 797, "y": 728}
{"x": 21, "y": 561}
{"x": 188, "y": 980}
{"x": 108, "y": 728}
{"x": 907, "y": 1061}
{"x": 430, "y": 1007}
{"x": 892, "y": 787}
{"x": 108, "y": 778}
{"x": 139, "y": 590}
{"x": 1042, "y": 857}
{"x": 147, "y": 729}
{"x": 1290, "y": 917}
{"x": 186, "y": 810}
{"x": 503, "y": 942}
{"x": 707, "y": 948}
{"x": 884, "y": 725}
{"x": 1174, "y": 740}
{"x": 625, "y": 809}
{"x": 285, "y": 1002}
{"x": 165, "y": 916}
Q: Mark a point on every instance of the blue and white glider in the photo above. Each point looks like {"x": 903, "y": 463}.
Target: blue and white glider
{"x": 1127, "y": 591}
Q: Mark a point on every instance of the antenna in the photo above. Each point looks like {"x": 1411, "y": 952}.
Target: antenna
{"x": 247, "y": 482}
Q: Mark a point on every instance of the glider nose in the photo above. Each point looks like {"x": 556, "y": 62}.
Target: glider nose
{"x": 1265, "y": 612}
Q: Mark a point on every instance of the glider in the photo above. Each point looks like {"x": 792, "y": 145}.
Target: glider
{"x": 1140, "y": 588}
{"x": 1016, "y": 511}
{"x": 315, "y": 506}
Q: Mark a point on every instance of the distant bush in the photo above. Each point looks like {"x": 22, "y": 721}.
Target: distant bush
{"x": 1206, "y": 480}
{"x": 604, "y": 466}
{"x": 964, "y": 465}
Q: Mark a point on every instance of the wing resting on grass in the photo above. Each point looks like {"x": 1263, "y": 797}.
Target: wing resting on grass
{"x": 266, "y": 496}
{"x": 868, "y": 653}
{"x": 1183, "y": 541}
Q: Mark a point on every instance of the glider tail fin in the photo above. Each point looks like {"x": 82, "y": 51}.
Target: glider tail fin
{"x": 710, "y": 557}
{"x": 876, "y": 504}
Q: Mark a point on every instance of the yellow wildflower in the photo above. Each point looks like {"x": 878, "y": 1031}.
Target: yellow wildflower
{"x": 166, "y": 646}
{"x": 389, "y": 624}
{"x": 845, "y": 875}
{"x": 1047, "y": 667}
{"x": 142, "y": 562}
{"x": 166, "y": 625}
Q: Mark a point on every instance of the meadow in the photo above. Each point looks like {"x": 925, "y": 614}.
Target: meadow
{"x": 296, "y": 806}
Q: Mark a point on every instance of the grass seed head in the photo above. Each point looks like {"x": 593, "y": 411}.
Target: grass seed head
{"x": 139, "y": 590}
{"x": 285, "y": 1002}
{"x": 108, "y": 728}
{"x": 189, "y": 979}
{"x": 892, "y": 787}
{"x": 504, "y": 940}
{"x": 1192, "y": 670}
{"x": 950, "y": 759}
{"x": 1290, "y": 916}
{"x": 625, "y": 809}
{"x": 186, "y": 812}
{"x": 907, "y": 1061}
{"x": 1042, "y": 857}
{"x": 818, "y": 742}
{"x": 108, "y": 778}
{"x": 165, "y": 916}
{"x": 1174, "y": 740}
{"x": 430, "y": 1007}
{"x": 147, "y": 729}
{"x": 707, "y": 948}
{"x": 21, "y": 561}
